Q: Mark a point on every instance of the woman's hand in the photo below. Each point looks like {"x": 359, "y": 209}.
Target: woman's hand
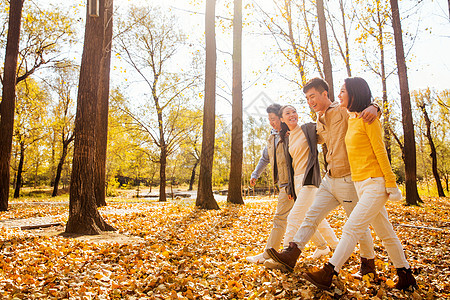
{"x": 394, "y": 193}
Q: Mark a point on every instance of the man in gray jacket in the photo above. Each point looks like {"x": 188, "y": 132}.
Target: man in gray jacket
{"x": 276, "y": 153}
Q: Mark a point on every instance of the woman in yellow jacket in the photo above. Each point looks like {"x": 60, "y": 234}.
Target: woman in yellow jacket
{"x": 374, "y": 183}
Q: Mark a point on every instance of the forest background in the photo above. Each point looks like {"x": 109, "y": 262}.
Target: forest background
{"x": 274, "y": 70}
{"x": 158, "y": 84}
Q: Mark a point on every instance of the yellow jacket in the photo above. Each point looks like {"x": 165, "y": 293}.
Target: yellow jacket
{"x": 366, "y": 151}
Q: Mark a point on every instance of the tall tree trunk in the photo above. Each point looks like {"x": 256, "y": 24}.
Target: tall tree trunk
{"x": 205, "y": 198}
{"x": 237, "y": 148}
{"x": 327, "y": 68}
{"x": 19, "y": 171}
{"x": 433, "y": 153}
{"x": 347, "y": 50}
{"x": 84, "y": 217}
{"x": 60, "y": 166}
{"x": 387, "y": 133}
{"x": 162, "y": 173}
{"x": 101, "y": 134}
{"x": 7, "y": 106}
{"x": 298, "y": 58}
{"x": 412, "y": 195}
{"x": 192, "y": 180}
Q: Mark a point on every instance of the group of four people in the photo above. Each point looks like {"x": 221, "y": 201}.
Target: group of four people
{"x": 358, "y": 177}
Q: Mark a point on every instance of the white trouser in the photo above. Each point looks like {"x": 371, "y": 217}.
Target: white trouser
{"x": 369, "y": 210}
{"x": 305, "y": 197}
{"x": 332, "y": 193}
{"x": 284, "y": 206}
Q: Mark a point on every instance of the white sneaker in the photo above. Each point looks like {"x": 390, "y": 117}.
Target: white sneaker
{"x": 257, "y": 259}
{"x": 320, "y": 252}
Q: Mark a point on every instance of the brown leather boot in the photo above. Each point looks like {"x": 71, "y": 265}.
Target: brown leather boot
{"x": 405, "y": 279}
{"x": 367, "y": 267}
{"x": 322, "y": 278}
{"x": 287, "y": 257}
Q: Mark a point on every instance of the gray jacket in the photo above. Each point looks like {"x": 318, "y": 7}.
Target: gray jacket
{"x": 312, "y": 172}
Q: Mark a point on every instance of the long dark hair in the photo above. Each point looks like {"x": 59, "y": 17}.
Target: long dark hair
{"x": 359, "y": 94}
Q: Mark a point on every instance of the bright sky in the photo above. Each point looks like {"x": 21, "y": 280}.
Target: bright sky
{"x": 429, "y": 64}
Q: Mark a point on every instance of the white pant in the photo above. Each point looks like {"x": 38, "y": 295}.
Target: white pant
{"x": 332, "y": 193}
{"x": 284, "y": 206}
{"x": 305, "y": 197}
{"x": 369, "y": 210}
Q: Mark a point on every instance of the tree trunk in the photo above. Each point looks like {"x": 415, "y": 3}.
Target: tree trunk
{"x": 412, "y": 195}
{"x": 60, "y": 167}
{"x": 237, "y": 148}
{"x": 347, "y": 50}
{"x": 387, "y": 134}
{"x": 327, "y": 68}
{"x": 84, "y": 217}
{"x": 205, "y": 198}
{"x": 19, "y": 171}
{"x": 7, "y": 106}
{"x": 298, "y": 58}
{"x": 433, "y": 153}
{"x": 192, "y": 180}
{"x": 162, "y": 173}
{"x": 101, "y": 134}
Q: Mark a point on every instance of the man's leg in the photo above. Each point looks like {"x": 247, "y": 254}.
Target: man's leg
{"x": 324, "y": 202}
{"x": 345, "y": 192}
{"x": 328, "y": 233}
{"x": 284, "y": 206}
{"x": 305, "y": 197}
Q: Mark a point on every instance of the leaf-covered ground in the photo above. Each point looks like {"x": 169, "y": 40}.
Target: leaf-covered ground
{"x": 179, "y": 252}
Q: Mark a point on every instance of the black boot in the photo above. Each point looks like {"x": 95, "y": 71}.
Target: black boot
{"x": 367, "y": 267}
{"x": 322, "y": 278}
{"x": 405, "y": 279}
{"x": 287, "y": 257}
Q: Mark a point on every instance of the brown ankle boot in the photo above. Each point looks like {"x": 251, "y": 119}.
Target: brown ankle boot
{"x": 287, "y": 257}
{"x": 405, "y": 279}
{"x": 367, "y": 267}
{"x": 322, "y": 278}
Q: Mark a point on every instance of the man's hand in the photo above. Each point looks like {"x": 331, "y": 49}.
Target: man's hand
{"x": 369, "y": 114}
{"x": 252, "y": 181}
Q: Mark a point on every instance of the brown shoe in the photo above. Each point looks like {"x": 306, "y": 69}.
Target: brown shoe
{"x": 287, "y": 257}
{"x": 322, "y": 278}
{"x": 406, "y": 279}
{"x": 367, "y": 267}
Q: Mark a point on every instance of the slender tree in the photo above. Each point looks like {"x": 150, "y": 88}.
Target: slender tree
{"x": 84, "y": 217}
{"x": 326, "y": 60}
{"x": 101, "y": 130}
{"x": 205, "y": 198}
{"x": 412, "y": 195}
{"x": 373, "y": 19}
{"x": 7, "y": 106}
{"x": 63, "y": 115}
{"x": 433, "y": 154}
{"x": 237, "y": 148}
{"x": 344, "y": 50}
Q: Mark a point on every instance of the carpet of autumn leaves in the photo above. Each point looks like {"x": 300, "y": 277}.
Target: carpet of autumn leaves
{"x": 179, "y": 252}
